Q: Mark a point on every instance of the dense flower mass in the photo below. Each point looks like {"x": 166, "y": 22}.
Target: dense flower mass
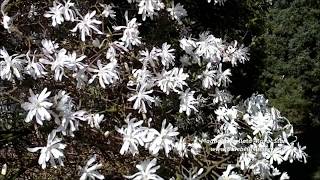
{"x": 173, "y": 96}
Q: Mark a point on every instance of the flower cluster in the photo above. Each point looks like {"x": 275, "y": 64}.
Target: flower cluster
{"x": 185, "y": 80}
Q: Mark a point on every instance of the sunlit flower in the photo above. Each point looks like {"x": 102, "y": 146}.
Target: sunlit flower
{"x": 90, "y": 170}
{"x": 141, "y": 98}
{"x": 38, "y": 106}
{"x": 188, "y": 102}
{"x": 147, "y": 170}
{"x": 164, "y": 140}
{"x": 108, "y": 11}
{"x": 86, "y": 25}
{"x": 11, "y": 65}
{"x": 55, "y": 13}
{"x": 107, "y": 74}
{"x": 33, "y": 68}
{"x": 53, "y": 151}
{"x": 131, "y": 33}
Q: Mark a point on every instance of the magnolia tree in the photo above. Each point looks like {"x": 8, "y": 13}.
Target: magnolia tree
{"x": 164, "y": 107}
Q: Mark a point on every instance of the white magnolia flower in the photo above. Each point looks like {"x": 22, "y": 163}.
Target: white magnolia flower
{"x": 222, "y": 77}
{"x": 34, "y": 69}
{"x": 177, "y": 11}
{"x": 166, "y": 55}
{"x": 55, "y": 13}
{"x": 181, "y": 147}
{"x": 69, "y": 121}
{"x": 53, "y": 151}
{"x": 68, "y": 13}
{"x": 90, "y": 171}
{"x": 58, "y": 63}
{"x": 141, "y": 77}
{"x": 228, "y": 175}
{"x": 6, "y": 22}
{"x": 236, "y": 54}
{"x": 148, "y": 7}
{"x": 164, "y": 140}
{"x": 108, "y": 11}
{"x": 172, "y": 80}
{"x": 147, "y": 170}
{"x": 195, "y": 147}
{"x": 141, "y": 97}
{"x": 133, "y": 135}
{"x": 294, "y": 153}
{"x": 208, "y": 78}
{"x": 107, "y": 74}
{"x": 131, "y": 33}
{"x": 74, "y": 63}
{"x": 49, "y": 47}
{"x": 149, "y": 58}
{"x": 94, "y": 120}
{"x": 187, "y": 102}
{"x": 209, "y": 47}
{"x": 11, "y": 65}
{"x": 86, "y": 25}
{"x": 261, "y": 123}
{"x": 188, "y": 45}
{"x": 275, "y": 154}
{"x": 38, "y": 106}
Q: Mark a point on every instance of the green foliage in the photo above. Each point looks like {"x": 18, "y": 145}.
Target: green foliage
{"x": 291, "y": 67}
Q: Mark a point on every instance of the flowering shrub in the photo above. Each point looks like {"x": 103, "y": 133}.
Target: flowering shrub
{"x": 138, "y": 96}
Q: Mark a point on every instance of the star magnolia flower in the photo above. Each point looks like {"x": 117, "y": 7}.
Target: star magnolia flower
{"x": 133, "y": 135}
{"x": 68, "y": 13}
{"x": 12, "y": 65}
{"x": 209, "y": 47}
{"x": 172, "y": 80}
{"x": 166, "y": 55}
{"x": 53, "y": 151}
{"x": 187, "y": 102}
{"x": 55, "y": 13}
{"x": 147, "y": 8}
{"x": 147, "y": 171}
{"x": 208, "y": 78}
{"x": 58, "y": 63}
{"x": 108, "y": 11}
{"x": 107, "y": 73}
{"x": 49, "y": 47}
{"x": 140, "y": 98}
{"x": 6, "y": 22}
{"x": 86, "y": 25}
{"x": 181, "y": 147}
{"x": 34, "y": 69}
{"x": 131, "y": 33}
{"x": 38, "y": 106}
{"x": 90, "y": 170}
{"x": 177, "y": 11}
{"x": 164, "y": 140}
